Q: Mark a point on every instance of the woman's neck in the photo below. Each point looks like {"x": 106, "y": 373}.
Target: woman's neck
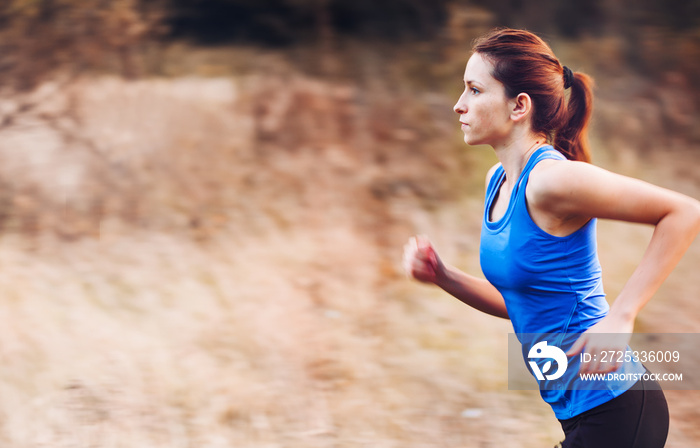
{"x": 515, "y": 154}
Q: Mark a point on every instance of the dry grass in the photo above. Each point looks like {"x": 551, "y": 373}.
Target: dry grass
{"x": 151, "y": 340}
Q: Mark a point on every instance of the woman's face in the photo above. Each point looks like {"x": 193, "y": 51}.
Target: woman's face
{"x": 484, "y": 108}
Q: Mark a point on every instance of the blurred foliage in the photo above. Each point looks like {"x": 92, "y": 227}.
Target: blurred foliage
{"x": 41, "y": 37}
{"x": 575, "y": 18}
{"x": 280, "y": 22}
{"x": 288, "y": 21}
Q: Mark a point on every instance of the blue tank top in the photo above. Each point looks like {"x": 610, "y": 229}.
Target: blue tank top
{"x": 552, "y": 288}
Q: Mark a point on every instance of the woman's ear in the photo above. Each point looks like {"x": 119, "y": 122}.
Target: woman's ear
{"x": 521, "y": 107}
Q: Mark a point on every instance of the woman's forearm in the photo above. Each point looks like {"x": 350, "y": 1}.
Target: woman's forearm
{"x": 473, "y": 291}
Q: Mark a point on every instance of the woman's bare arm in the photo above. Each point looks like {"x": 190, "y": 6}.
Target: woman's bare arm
{"x": 422, "y": 263}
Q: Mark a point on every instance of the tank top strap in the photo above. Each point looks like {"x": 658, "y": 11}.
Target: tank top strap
{"x": 495, "y": 181}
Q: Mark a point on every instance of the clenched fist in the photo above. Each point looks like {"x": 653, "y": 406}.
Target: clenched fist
{"x": 420, "y": 260}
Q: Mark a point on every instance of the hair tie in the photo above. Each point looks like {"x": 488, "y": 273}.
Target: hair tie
{"x": 568, "y": 77}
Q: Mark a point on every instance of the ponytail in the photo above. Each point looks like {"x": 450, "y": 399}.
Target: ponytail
{"x": 572, "y": 138}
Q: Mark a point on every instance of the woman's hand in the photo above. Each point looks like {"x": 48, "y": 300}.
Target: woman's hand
{"x": 606, "y": 343}
{"x": 420, "y": 260}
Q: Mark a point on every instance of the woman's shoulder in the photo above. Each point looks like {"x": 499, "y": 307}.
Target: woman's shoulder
{"x": 552, "y": 192}
{"x": 551, "y": 178}
{"x": 555, "y": 175}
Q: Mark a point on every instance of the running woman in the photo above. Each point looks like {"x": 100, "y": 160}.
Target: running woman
{"x": 538, "y": 241}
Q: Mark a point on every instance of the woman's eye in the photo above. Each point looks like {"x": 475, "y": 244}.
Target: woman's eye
{"x": 474, "y": 91}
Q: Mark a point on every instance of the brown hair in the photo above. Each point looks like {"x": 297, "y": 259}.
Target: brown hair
{"x": 524, "y": 63}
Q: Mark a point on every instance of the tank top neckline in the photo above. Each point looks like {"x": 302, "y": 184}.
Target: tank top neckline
{"x": 499, "y": 177}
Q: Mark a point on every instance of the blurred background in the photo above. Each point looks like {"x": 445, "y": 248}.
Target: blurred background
{"x": 203, "y": 205}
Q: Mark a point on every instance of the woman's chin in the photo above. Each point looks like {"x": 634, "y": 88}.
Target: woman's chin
{"x": 472, "y": 141}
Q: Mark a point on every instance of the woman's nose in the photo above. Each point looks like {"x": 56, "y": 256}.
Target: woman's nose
{"x": 460, "y": 107}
